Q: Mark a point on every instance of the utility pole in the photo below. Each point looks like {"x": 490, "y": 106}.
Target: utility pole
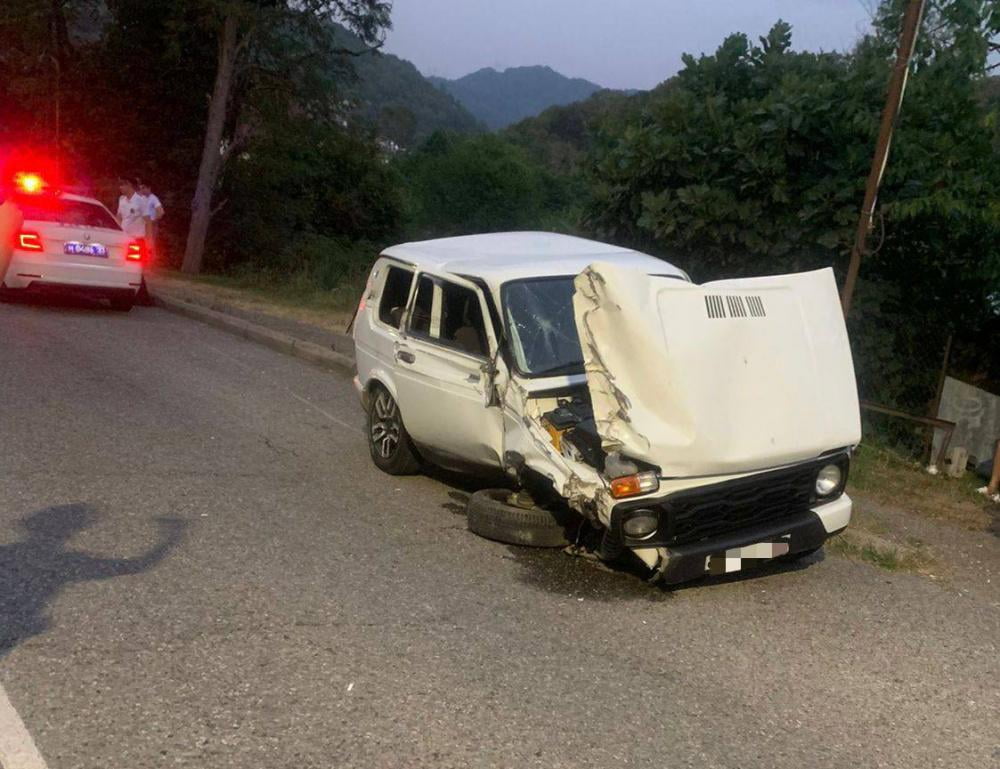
{"x": 893, "y": 101}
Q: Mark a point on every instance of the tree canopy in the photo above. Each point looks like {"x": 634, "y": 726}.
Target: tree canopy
{"x": 754, "y": 159}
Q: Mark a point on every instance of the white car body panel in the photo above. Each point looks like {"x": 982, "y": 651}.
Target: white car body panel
{"x": 440, "y": 390}
{"x": 725, "y": 377}
{"x": 52, "y": 266}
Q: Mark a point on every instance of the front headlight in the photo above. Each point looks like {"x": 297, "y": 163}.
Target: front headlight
{"x": 641, "y": 524}
{"x": 828, "y": 480}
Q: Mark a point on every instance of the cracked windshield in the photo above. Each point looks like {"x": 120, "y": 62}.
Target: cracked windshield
{"x": 542, "y": 327}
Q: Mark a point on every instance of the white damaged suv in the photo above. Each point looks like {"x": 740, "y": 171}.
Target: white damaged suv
{"x": 702, "y": 428}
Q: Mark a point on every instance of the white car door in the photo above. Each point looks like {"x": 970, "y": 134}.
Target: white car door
{"x": 378, "y": 327}
{"x": 440, "y": 364}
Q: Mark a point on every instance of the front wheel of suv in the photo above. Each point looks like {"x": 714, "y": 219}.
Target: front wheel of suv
{"x": 390, "y": 445}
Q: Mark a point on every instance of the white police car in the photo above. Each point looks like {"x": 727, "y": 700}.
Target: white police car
{"x": 70, "y": 243}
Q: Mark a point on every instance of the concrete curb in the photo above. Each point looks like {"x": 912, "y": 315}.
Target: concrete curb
{"x": 254, "y": 332}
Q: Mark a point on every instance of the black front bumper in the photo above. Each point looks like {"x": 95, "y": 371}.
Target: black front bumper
{"x": 801, "y": 532}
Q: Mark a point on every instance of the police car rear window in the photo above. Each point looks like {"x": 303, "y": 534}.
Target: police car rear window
{"x": 77, "y": 213}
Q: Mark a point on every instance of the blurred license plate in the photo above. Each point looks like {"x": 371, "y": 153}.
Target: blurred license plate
{"x": 85, "y": 249}
{"x": 738, "y": 557}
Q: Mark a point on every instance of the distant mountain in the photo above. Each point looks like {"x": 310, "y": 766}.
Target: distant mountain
{"x": 391, "y": 94}
{"x": 499, "y": 99}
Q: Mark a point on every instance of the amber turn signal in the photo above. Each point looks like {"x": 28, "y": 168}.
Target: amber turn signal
{"x": 633, "y": 485}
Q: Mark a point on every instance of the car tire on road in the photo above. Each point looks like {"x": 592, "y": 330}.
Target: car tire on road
{"x": 142, "y": 297}
{"x": 491, "y": 516}
{"x": 122, "y": 304}
{"x": 388, "y": 442}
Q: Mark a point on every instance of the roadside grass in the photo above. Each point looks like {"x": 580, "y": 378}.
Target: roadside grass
{"x": 882, "y": 477}
{"x": 912, "y": 557}
{"x": 297, "y": 296}
{"x": 885, "y": 476}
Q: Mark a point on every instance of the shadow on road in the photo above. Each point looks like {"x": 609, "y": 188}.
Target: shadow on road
{"x": 34, "y": 570}
{"x": 67, "y": 301}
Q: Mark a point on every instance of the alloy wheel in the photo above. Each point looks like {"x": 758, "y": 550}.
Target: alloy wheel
{"x": 385, "y": 425}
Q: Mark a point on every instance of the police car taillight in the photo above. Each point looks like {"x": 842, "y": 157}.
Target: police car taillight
{"x": 136, "y": 251}
{"x": 28, "y": 241}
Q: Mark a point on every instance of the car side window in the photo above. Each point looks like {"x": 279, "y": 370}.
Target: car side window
{"x": 395, "y": 293}
{"x": 450, "y": 315}
{"x": 423, "y": 307}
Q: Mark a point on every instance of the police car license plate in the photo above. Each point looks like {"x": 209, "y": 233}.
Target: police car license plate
{"x": 85, "y": 249}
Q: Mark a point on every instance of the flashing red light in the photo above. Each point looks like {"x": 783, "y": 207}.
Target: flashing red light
{"x": 30, "y": 183}
{"x": 30, "y": 171}
{"x": 136, "y": 251}
{"x": 29, "y": 241}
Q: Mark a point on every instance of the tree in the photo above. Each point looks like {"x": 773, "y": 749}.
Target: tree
{"x": 35, "y": 46}
{"x": 298, "y": 193}
{"x": 267, "y": 51}
{"x": 754, "y": 160}
{"x": 460, "y": 185}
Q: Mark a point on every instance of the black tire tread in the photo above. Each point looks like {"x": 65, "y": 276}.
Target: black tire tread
{"x": 491, "y": 517}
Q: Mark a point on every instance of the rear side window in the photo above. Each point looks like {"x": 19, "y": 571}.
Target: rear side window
{"x": 395, "y": 293}
{"x": 76, "y": 213}
{"x": 451, "y": 315}
{"x": 423, "y": 306}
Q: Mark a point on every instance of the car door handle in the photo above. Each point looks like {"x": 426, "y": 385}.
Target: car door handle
{"x": 405, "y": 357}
{"x": 472, "y": 378}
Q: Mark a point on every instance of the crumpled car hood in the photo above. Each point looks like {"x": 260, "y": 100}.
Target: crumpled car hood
{"x": 727, "y": 377}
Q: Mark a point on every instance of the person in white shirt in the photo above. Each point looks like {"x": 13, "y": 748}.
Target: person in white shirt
{"x": 154, "y": 212}
{"x": 131, "y": 210}
{"x": 154, "y": 208}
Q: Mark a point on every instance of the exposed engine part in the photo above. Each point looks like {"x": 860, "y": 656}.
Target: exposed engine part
{"x": 565, "y": 416}
{"x": 618, "y": 466}
{"x": 554, "y": 433}
{"x": 574, "y": 433}
{"x": 585, "y": 441}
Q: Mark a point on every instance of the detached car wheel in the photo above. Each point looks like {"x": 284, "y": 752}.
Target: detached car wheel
{"x": 490, "y": 515}
{"x": 390, "y": 445}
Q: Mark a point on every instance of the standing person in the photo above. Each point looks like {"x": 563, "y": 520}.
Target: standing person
{"x": 154, "y": 207}
{"x": 131, "y": 209}
{"x": 154, "y": 212}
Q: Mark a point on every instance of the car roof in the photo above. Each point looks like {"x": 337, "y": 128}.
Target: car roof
{"x": 81, "y": 199}
{"x": 503, "y": 256}
{"x": 75, "y": 198}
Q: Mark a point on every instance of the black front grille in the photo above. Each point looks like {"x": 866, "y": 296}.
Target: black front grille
{"x": 725, "y": 508}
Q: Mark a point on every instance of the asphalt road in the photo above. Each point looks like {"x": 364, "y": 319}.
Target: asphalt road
{"x": 200, "y": 567}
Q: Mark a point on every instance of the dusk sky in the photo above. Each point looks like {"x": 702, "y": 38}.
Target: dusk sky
{"x": 615, "y": 43}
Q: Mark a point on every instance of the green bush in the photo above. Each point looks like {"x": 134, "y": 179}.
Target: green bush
{"x": 460, "y": 185}
{"x": 299, "y": 196}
